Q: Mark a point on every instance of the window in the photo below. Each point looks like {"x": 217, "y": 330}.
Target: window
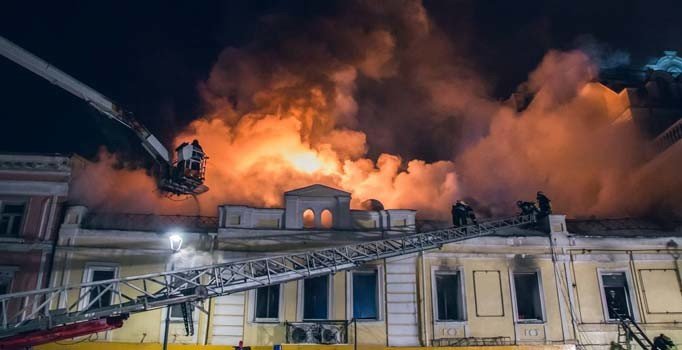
{"x": 449, "y": 298}
{"x": 528, "y": 300}
{"x": 97, "y": 294}
{"x": 308, "y": 218}
{"x": 267, "y": 303}
{"x": 326, "y": 219}
{"x": 6, "y": 276}
{"x": 11, "y": 215}
{"x": 234, "y": 220}
{"x": 616, "y": 294}
{"x": 176, "y": 312}
{"x": 365, "y": 295}
{"x": 316, "y": 298}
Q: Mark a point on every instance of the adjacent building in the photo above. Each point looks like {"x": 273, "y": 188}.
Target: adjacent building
{"x": 33, "y": 190}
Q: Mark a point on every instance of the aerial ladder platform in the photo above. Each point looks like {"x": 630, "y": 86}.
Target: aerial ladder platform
{"x": 40, "y": 316}
{"x": 185, "y": 176}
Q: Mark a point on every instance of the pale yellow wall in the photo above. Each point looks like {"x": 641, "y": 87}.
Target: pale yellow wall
{"x": 369, "y": 332}
{"x": 659, "y": 293}
{"x": 500, "y": 319}
{"x": 658, "y": 300}
{"x": 140, "y": 327}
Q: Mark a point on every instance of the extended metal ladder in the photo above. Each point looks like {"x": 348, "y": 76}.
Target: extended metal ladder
{"x": 51, "y": 307}
{"x": 629, "y": 330}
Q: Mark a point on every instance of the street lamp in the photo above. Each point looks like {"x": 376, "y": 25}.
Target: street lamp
{"x": 175, "y": 241}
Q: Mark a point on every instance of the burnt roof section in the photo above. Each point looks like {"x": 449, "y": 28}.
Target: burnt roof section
{"x": 623, "y": 227}
{"x": 524, "y": 231}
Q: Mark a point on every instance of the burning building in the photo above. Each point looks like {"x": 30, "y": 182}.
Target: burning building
{"x": 547, "y": 286}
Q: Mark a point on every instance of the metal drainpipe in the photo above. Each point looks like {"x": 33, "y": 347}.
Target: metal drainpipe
{"x": 208, "y": 320}
{"x": 422, "y": 302}
{"x": 55, "y": 241}
{"x": 168, "y": 312}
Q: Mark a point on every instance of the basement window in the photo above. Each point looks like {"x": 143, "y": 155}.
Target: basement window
{"x": 11, "y": 216}
{"x": 449, "y": 298}
{"x": 267, "y": 304}
{"x": 528, "y": 300}
{"x": 365, "y": 295}
{"x": 616, "y": 295}
{"x": 316, "y": 298}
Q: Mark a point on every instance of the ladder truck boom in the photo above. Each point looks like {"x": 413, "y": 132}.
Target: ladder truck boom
{"x": 185, "y": 177}
{"x": 26, "y": 313}
{"x": 84, "y": 92}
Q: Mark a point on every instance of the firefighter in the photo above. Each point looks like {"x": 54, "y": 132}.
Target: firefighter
{"x": 662, "y": 342}
{"x": 459, "y": 214}
{"x": 544, "y": 204}
{"x": 470, "y": 214}
{"x": 527, "y": 208}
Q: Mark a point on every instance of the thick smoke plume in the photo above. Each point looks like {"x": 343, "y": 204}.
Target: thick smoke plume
{"x": 348, "y": 100}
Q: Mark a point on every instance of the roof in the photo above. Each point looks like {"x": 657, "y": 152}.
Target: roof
{"x": 317, "y": 190}
{"x": 623, "y": 227}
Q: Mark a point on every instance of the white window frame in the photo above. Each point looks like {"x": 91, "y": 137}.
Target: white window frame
{"x": 173, "y": 267}
{"x": 632, "y": 297}
{"x": 252, "y": 307}
{"x": 379, "y": 269}
{"x": 541, "y": 291}
{"x": 23, "y": 202}
{"x": 301, "y": 297}
{"x": 434, "y": 294}
{"x": 88, "y": 272}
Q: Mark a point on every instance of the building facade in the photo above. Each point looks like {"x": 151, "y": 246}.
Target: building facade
{"x": 543, "y": 286}
{"x": 33, "y": 190}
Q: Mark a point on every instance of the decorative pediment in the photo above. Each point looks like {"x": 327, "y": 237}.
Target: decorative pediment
{"x": 317, "y": 190}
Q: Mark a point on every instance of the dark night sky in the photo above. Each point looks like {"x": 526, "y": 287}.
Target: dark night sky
{"x": 150, "y": 55}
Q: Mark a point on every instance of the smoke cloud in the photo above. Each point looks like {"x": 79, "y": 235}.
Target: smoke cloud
{"x": 377, "y": 101}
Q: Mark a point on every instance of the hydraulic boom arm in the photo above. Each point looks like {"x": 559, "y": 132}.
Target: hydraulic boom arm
{"x": 84, "y": 92}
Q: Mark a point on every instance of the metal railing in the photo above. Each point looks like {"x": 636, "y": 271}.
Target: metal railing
{"x": 149, "y": 222}
{"x": 668, "y": 137}
{"x": 473, "y": 341}
{"x": 45, "y": 308}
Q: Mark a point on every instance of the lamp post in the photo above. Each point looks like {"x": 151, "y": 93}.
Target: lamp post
{"x": 175, "y": 241}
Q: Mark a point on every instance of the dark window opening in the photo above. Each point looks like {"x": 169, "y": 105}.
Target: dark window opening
{"x": 11, "y": 216}
{"x": 449, "y": 297}
{"x": 5, "y": 283}
{"x": 528, "y": 302}
{"x": 95, "y": 291}
{"x": 616, "y": 295}
{"x": 267, "y": 302}
{"x": 365, "y": 305}
{"x": 316, "y": 298}
{"x": 176, "y": 311}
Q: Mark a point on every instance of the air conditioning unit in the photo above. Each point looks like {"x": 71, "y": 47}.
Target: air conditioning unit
{"x": 304, "y": 333}
{"x": 331, "y": 333}
{"x": 317, "y": 332}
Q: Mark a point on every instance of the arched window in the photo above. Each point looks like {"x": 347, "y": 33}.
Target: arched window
{"x": 326, "y": 218}
{"x": 309, "y": 219}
